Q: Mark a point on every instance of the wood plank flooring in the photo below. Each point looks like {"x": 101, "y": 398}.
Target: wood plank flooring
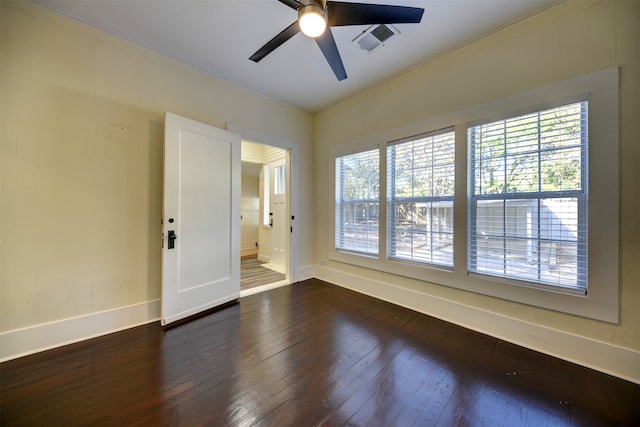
{"x": 304, "y": 355}
{"x": 252, "y": 274}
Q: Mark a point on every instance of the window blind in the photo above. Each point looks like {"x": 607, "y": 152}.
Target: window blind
{"x": 357, "y": 202}
{"x": 421, "y": 178}
{"x": 528, "y": 202}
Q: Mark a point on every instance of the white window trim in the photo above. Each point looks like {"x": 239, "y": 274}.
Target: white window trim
{"x": 602, "y": 300}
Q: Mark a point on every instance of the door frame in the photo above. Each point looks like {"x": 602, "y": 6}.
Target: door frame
{"x": 292, "y": 151}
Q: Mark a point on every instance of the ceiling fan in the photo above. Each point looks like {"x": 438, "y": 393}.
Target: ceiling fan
{"x": 314, "y": 16}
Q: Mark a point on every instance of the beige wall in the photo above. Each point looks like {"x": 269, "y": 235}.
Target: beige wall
{"x": 571, "y": 39}
{"x": 82, "y": 135}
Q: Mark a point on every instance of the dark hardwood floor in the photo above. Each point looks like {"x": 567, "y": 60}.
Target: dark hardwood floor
{"x": 304, "y": 355}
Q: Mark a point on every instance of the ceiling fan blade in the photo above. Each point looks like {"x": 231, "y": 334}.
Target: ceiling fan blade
{"x": 275, "y": 42}
{"x": 341, "y": 13}
{"x": 327, "y": 45}
{"x": 293, "y": 4}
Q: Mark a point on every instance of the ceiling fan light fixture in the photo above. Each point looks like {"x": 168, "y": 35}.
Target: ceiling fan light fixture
{"x": 314, "y": 16}
{"x": 312, "y": 20}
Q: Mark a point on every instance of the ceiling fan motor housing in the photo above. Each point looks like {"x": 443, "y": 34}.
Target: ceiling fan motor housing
{"x": 312, "y": 19}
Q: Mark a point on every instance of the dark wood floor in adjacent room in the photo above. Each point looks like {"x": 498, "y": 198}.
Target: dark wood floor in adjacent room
{"x": 304, "y": 355}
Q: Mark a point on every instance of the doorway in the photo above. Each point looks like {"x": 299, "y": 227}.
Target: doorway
{"x": 265, "y": 236}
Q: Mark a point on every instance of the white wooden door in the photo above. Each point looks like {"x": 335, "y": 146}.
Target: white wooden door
{"x": 278, "y": 202}
{"x": 201, "y": 218}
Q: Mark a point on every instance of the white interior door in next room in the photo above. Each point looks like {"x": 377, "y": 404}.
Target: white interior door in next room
{"x": 201, "y": 218}
{"x": 278, "y": 212}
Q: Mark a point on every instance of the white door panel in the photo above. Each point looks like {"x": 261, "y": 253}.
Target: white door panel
{"x": 202, "y": 209}
{"x": 279, "y": 231}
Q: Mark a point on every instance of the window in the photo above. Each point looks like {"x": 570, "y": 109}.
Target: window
{"x": 357, "y": 202}
{"x": 280, "y": 183}
{"x": 534, "y": 217}
{"x": 421, "y": 178}
{"x": 528, "y": 201}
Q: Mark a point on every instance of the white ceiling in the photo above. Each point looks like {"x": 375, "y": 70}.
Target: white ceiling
{"x": 218, "y": 36}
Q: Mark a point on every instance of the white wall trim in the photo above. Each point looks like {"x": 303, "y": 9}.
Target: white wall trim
{"x": 608, "y": 358}
{"x": 25, "y": 341}
{"x": 33, "y": 339}
{"x": 293, "y": 177}
{"x": 307, "y": 272}
{"x": 602, "y": 300}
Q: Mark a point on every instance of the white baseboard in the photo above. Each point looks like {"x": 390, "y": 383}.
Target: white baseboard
{"x": 34, "y": 339}
{"x": 306, "y": 272}
{"x": 614, "y": 360}
{"x": 22, "y": 342}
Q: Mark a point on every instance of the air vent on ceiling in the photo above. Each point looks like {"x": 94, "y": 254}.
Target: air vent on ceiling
{"x": 375, "y": 36}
